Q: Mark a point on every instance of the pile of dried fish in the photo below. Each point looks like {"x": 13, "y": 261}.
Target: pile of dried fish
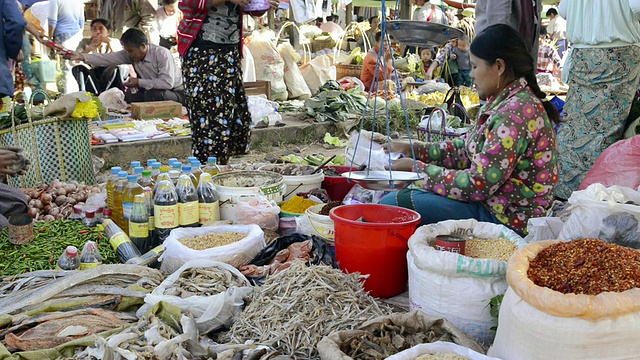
{"x": 150, "y": 338}
{"x": 295, "y": 308}
{"x": 204, "y": 282}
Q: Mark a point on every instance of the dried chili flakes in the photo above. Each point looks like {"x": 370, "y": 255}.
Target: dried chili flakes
{"x": 586, "y": 266}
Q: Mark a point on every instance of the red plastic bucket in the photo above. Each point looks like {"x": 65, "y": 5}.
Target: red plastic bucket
{"x": 338, "y": 186}
{"x": 378, "y": 246}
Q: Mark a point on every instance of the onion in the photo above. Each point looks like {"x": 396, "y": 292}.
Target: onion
{"x": 54, "y": 211}
{"x": 38, "y": 204}
{"x": 32, "y": 202}
{"x": 33, "y": 212}
{"x": 70, "y": 188}
{"x": 56, "y": 183}
{"x": 46, "y": 198}
{"x": 71, "y": 201}
{"x": 61, "y": 200}
{"x": 59, "y": 217}
{"x": 48, "y": 218}
{"x": 61, "y": 190}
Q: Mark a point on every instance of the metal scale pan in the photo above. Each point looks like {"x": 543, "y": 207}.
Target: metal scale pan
{"x": 421, "y": 33}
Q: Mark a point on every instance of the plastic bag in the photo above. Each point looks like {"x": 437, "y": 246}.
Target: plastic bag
{"x": 371, "y": 155}
{"x": 610, "y": 214}
{"x": 260, "y": 107}
{"x": 454, "y": 286}
{"x": 539, "y": 323}
{"x": 296, "y": 86}
{"x": 360, "y": 195}
{"x": 210, "y": 312}
{"x": 439, "y": 347}
{"x": 96, "y": 201}
{"x": 270, "y": 66}
{"x": 258, "y": 210}
{"x": 248, "y": 65}
{"x": 617, "y": 165}
{"x": 239, "y": 253}
{"x": 543, "y": 228}
{"x": 113, "y": 99}
{"x": 64, "y": 106}
{"x": 317, "y": 72}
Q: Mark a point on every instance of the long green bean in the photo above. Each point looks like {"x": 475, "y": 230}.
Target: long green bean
{"x": 51, "y": 238}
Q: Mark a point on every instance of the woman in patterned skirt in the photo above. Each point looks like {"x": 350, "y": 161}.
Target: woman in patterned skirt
{"x": 209, "y": 41}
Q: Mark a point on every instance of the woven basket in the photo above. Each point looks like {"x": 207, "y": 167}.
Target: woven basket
{"x": 348, "y": 70}
{"x": 433, "y": 134}
{"x": 57, "y": 149}
{"x": 317, "y": 45}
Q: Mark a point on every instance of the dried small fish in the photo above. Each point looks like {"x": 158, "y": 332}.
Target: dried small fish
{"x": 294, "y": 309}
{"x": 204, "y": 282}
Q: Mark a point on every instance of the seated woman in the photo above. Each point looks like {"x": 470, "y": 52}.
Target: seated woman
{"x": 99, "y": 78}
{"x": 505, "y": 169}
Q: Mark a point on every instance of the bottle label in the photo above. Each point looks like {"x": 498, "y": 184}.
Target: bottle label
{"x": 85, "y": 266}
{"x": 138, "y": 230}
{"x": 209, "y": 212}
{"x": 126, "y": 209}
{"x": 118, "y": 239}
{"x": 152, "y": 223}
{"x": 166, "y": 217}
{"x": 188, "y": 213}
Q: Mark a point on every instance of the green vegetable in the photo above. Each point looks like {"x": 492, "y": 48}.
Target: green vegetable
{"x": 334, "y": 140}
{"x": 494, "y": 309}
{"x": 51, "y": 238}
{"x": 333, "y": 103}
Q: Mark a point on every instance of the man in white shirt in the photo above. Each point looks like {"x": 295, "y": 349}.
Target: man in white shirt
{"x": 428, "y": 11}
{"x": 168, "y": 17}
{"x": 557, "y": 30}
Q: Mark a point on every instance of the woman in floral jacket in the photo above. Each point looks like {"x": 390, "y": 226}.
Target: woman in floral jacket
{"x": 505, "y": 169}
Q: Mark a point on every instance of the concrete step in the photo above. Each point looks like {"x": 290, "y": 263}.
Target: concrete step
{"x": 298, "y": 130}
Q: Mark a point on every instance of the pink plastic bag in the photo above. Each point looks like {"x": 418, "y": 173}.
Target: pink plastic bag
{"x": 617, "y": 165}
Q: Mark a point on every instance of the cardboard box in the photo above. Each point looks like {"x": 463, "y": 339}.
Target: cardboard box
{"x": 156, "y": 110}
{"x": 258, "y": 88}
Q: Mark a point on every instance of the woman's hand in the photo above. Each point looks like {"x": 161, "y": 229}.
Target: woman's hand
{"x": 404, "y": 164}
{"x": 8, "y": 158}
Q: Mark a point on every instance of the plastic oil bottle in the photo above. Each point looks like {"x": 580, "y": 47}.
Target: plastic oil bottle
{"x": 131, "y": 190}
{"x": 155, "y": 169}
{"x": 111, "y": 185}
{"x": 163, "y": 175}
{"x": 187, "y": 200}
{"x": 148, "y": 198}
{"x": 150, "y": 164}
{"x": 196, "y": 168}
{"x": 120, "y": 242}
{"x": 134, "y": 165}
{"x": 90, "y": 256}
{"x": 191, "y": 159}
{"x": 212, "y": 167}
{"x": 138, "y": 172}
{"x": 147, "y": 180}
{"x": 118, "y": 193}
{"x": 69, "y": 260}
{"x": 208, "y": 201}
{"x": 165, "y": 209}
{"x": 139, "y": 224}
{"x": 186, "y": 170}
{"x": 176, "y": 170}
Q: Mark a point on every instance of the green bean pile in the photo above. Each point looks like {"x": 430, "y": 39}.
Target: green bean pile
{"x": 51, "y": 238}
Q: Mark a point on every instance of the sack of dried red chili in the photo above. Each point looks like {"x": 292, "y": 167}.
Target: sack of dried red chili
{"x": 538, "y": 322}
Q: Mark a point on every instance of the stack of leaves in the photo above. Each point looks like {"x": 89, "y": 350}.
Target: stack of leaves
{"x": 333, "y": 103}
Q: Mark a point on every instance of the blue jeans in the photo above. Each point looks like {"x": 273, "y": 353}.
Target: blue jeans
{"x": 435, "y": 208}
{"x": 464, "y": 77}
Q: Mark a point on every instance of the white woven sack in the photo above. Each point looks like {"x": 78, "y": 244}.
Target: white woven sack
{"x": 537, "y": 323}
{"x": 454, "y": 286}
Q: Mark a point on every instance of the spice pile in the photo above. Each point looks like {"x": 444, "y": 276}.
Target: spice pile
{"x": 586, "y": 266}
{"x": 294, "y": 309}
{"x": 297, "y": 205}
{"x": 212, "y": 240}
{"x": 327, "y": 208}
{"x": 51, "y": 238}
{"x": 496, "y": 249}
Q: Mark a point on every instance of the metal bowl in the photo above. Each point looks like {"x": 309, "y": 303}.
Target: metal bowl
{"x": 382, "y": 180}
{"x": 421, "y": 33}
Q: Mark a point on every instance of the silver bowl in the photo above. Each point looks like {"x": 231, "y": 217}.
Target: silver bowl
{"x": 421, "y": 33}
{"x": 382, "y": 179}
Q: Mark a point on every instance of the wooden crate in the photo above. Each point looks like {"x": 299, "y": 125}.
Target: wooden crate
{"x": 258, "y": 88}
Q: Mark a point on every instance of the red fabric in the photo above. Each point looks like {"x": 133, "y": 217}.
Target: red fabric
{"x": 431, "y": 11}
{"x": 194, "y": 13}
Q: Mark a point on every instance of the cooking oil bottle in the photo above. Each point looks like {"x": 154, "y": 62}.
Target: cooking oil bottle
{"x": 134, "y": 165}
{"x": 155, "y": 169}
{"x": 138, "y": 172}
{"x": 131, "y": 190}
{"x": 147, "y": 180}
{"x": 165, "y": 209}
{"x": 118, "y": 193}
{"x": 111, "y": 185}
{"x": 186, "y": 170}
{"x": 150, "y": 164}
{"x": 148, "y": 198}
{"x": 208, "y": 201}
{"x": 212, "y": 167}
{"x": 196, "y": 168}
{"x": 176, "y": 170}
{"x": 187, "y": 200}
{"x": 139, "y": 224}
{"x": 163, "y": 175}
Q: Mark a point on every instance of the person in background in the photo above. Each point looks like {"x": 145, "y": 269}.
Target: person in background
{"x": 521, "y": 15}
{"x": 158, "y": 77}
{"x": 369, "y": 66}
{"x": 212, "y": 71}
{"x": 332, "y": 27}
{"x": 168, "y": 18}
{"x": 557, "y": 30}
{"x": 548, "y": 56}
{"x": 126, "y": 14}
{"x": 449, "y": 67}
{"x": 66, "y": 21}
{"x": 461, "y": 56}
{"x": 374, "y": 21}
{"x": 99, "y": 78}
{"x": 505, "y": 169}
{"x": 319, "y": 22}
{"x": 600, "y": 96}
{"x": 426, "y": 57}
{"x": 360, "y": 18}
{"x": 428, "y": 11}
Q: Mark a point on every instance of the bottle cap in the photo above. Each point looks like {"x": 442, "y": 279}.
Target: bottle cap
{"x": 138, "y": 170}
{"x": 164, "y": 168}
{"x": 123, "y": 174}
{"x": 115, "y": 170}
{"x": 89, "y": 214}
{"x": 212, "y": 159}
{"x": 177, "y": 165}
{"x": 106, "y": 212}
{"x": 192, "y": 158}
{"x": 135, "y": 164}
{"x": 132, "y": 178}
{"x": 140, "y": 198}
{"x": 146, "y": 173}
{"x": 186, "y": 168}
{"x": 205, "y": 177}
{"x": 150, "y": 162}
{"x": 196, "y": 163}
{"x": 71, "y": 251}
{"x": 156, "y": 165}
{"x": 172, "y": 160}
{"x": 77, "y": 209}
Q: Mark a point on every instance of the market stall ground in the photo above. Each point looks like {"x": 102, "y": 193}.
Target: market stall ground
{"x": 298, "y": 130}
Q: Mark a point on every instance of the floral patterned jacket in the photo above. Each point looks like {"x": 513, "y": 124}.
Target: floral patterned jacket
{"x": 508, "y": 160}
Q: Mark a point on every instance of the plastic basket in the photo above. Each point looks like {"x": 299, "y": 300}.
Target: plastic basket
{"x": 431, "y": 134}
